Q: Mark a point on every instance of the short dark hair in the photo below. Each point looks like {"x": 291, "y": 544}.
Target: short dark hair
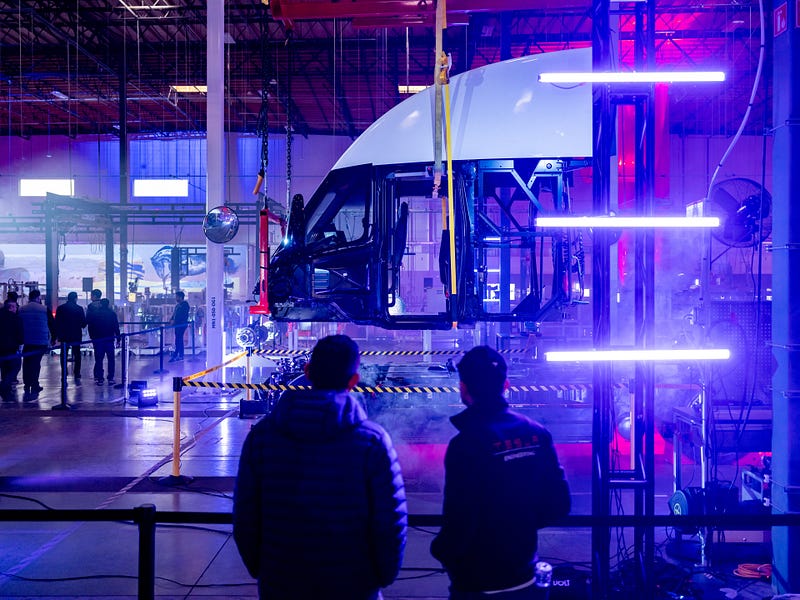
{"x": 72, "y": 296}
{"x": 105, "y": 303}
{"x": 180, "y": 294}
{"x": 33, "y": 295}
{"x": 334, "y": 361}
{"x": 96, "y": 294}
{"x": 484, "y": 372}
{"x": 12, "y": 295}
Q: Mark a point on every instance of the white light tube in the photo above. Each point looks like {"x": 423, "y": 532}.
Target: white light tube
{"x": 636, "y": 355}
{"x": 630, "y": 77}
{"x": 161, "y": 188}
{"x": 629, "y": 222}
{"x": 40, "y": 187}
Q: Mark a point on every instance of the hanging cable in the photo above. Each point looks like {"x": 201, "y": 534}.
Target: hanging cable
{"x": 753, "y": 92}
{"x": 262, "y": 125}
{"x": 289, "y": 67}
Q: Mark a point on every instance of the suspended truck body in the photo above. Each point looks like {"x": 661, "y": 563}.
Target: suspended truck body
{"x": 371, "y": 247}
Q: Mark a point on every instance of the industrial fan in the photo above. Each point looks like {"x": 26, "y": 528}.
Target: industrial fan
{"x": 744, "y": 209}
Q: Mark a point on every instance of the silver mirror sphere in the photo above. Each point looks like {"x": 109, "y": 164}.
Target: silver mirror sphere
{"x": 221, "y": 224}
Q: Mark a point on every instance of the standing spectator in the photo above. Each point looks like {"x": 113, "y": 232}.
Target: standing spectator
{"x": 503, "y": 483}
{"x": 319, "y": 508}
{"x": 36, "y": 333}
{"x": 94, "y": 303}
{"x": 70, "y": 321}
{"x": 10, "y": 341}
{"x": 104, "y": 332}
{"x": 180, "y": 318}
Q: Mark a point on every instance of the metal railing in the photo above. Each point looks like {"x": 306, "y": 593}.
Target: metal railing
{"x": 147, "y": 518}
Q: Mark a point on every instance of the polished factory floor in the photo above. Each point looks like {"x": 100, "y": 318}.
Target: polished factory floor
{"x": 91, "y": 448}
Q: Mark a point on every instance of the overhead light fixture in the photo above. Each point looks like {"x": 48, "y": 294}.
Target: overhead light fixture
{"x": 39, "y": 188}
{"x": 629, "y": 222}
{"x": 637, "y": 355}
{"x": 632, "y": 77}
{"x": 161, "y": 188}
{"x": 59, "y": 95}
{"x": 410, "y": 89}
{"x": 189, "y": 89}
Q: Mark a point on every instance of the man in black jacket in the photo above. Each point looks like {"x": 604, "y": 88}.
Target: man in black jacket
{"x": 503, "y": 483}
{"x": 10, "y": 341}
{"x": 180, "y": 318}
{"x": 319, "y": 505}
{"x": 70, "y": 321}
{"x": 104, "y": 332}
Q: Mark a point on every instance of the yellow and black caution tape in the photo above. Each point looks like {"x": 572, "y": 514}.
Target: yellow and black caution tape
{"x": 383, "y": 389}
{"x": 386, "y": 352}
{"x": 212, "y": 369}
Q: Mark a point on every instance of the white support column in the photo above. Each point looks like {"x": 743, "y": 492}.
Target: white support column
{"x": 215, "y": 184}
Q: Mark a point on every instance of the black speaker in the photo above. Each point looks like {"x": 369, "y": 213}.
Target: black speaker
{"x": 88, "y": 284}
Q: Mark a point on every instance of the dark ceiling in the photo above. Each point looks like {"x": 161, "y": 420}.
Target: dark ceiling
{"x": 62, "y": 64}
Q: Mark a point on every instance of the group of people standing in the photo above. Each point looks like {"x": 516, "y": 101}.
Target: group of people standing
{"x": 34, "y": 328}
{"x": 320, "y": 508}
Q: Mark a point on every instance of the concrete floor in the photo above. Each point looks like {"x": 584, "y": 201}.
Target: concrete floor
{"x": 105, "y": 453}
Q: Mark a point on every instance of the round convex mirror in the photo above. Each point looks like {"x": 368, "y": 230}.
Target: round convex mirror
{"x": 220, "y": 224}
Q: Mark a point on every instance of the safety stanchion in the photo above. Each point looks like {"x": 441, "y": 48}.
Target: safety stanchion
{"x": 248, "y": 393}
{"x": 63, "y": 404}
{"x": 161, "y": 368}
{"x": 176, "y": 478}
{"x": 124, "y": 366}
{"x": 145, "y": 518}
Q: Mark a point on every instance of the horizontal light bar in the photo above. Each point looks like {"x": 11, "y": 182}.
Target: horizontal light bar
{"x": 161, "y": 188}
{"x": 636, "y": 355}
{"x": 628, "y": 222}
{"x": 189, "y": 89}
{"x": 623, "y": 77}
{"x": 39, "y": 188}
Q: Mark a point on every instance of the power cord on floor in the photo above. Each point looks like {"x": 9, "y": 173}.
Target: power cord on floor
{"x": 753, "y": 571}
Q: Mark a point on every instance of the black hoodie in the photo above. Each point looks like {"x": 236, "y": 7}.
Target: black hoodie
{"x": 319, "y": 505}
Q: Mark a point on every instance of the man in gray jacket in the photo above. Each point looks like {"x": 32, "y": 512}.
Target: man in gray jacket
{"x": 319, "y": 505}
{"x": 36, "y": 334}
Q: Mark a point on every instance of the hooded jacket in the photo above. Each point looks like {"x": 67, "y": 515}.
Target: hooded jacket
{"x": 503, "y": 483}
{"x": 319, "y": 504}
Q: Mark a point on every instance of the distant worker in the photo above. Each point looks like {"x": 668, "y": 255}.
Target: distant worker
{"x": 10, "y": 341}
{"x": 319, "y": 507}
{"x": 37, "y": 333}
{"x": 180, "y": 319}
{"x": 104, "y": 333}
{"x": 70, "y": 321}
{"x": 503, "y": 483}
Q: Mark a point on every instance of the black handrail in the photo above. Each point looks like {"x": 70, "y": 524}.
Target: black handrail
{"x": 147, "y": 518}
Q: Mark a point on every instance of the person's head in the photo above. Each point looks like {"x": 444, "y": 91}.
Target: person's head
{"x": 35, "y": 296}
{"x": 10, "y": 305}
{"x": 13, "y": 296}
{"x": 179, "y": 296}
{"x": 72, "y": 297}
{"x": 482, "y": 372}
{"x": 104, "y": 303}
{"x": 96, "y": 295}
{"x": 333, "y": 364}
